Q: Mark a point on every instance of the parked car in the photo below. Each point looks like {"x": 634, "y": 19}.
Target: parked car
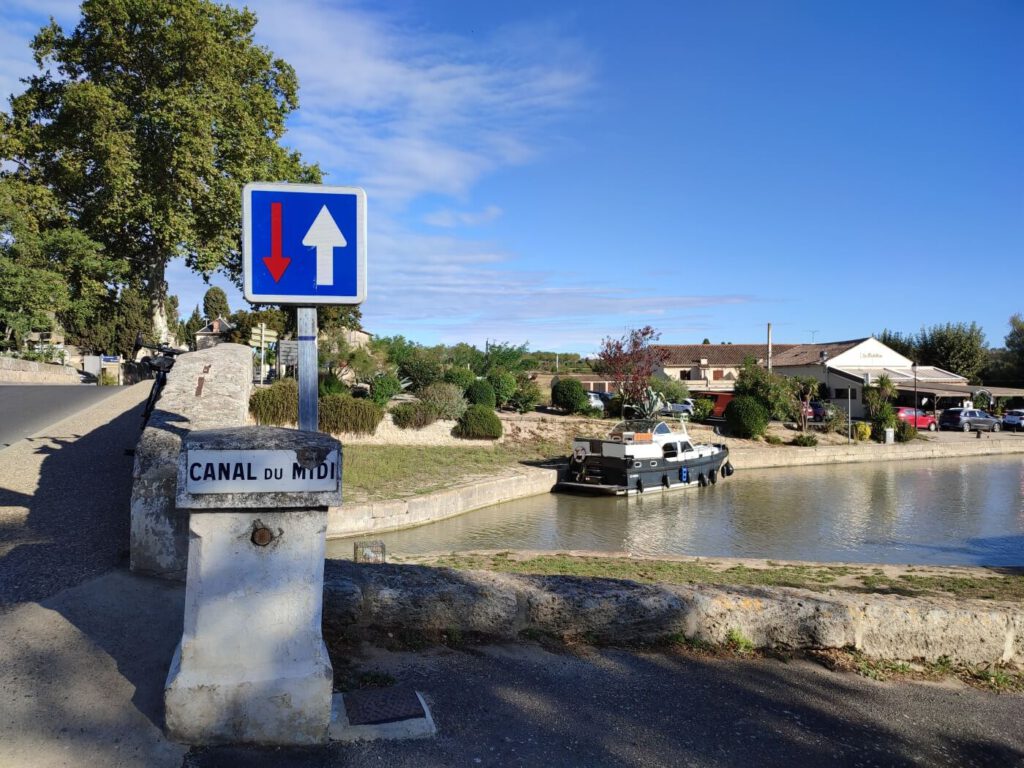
{"x": 683, "y": 407}
{"x": 968, "y": 419}
{"x": 596, "y": 401}
{"x": 917, "y": 417}
{"x": 1014, "y": 419}
{"x": 821, "y": 410}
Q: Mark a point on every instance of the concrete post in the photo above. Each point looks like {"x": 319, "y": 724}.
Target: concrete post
{"x": 252, "y": 666}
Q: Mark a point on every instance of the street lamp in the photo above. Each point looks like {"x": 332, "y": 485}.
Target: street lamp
{"x": 913, "y": 367}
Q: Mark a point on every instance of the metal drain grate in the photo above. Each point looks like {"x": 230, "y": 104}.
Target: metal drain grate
{"x": 373, "y": 706}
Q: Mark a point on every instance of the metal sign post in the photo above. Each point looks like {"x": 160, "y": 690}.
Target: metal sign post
{"x": 308, "y": 380}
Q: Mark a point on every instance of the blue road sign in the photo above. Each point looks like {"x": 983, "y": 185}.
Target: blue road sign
{"x": 303, "y": 244}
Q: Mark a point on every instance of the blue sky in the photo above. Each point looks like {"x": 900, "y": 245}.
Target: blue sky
{"x": 555, "y": 173}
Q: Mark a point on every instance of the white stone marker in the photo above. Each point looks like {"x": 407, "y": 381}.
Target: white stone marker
{"x": 252, "y": 666}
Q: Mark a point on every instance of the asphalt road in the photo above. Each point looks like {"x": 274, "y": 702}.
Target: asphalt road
{"x": 27, "y": 408}
{"x": 521, "y": 705}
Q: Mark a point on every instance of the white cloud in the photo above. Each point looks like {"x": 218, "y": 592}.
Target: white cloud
{"x": 404, "y": 110}
{"x": 448, "y": 218}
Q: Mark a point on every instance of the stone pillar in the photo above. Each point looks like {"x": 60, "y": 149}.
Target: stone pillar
{"x": 252, "y": 666}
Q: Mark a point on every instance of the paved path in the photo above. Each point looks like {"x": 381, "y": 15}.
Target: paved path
{"x": 524, "y": 706}
{"x": 83, "y": 655}
{"x": 64, "y": 497}
{"x": 27, "y": 408}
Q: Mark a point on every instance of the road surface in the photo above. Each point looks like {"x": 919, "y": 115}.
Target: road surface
{"x": 27, "y": 408}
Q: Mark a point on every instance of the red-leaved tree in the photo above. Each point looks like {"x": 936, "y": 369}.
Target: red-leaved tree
{"x": 631, "y": 361}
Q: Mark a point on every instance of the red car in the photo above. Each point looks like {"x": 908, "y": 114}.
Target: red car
{"x": 917, "y": 417}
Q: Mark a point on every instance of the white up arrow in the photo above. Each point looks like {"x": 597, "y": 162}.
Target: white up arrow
{"x": 325, "y": 236}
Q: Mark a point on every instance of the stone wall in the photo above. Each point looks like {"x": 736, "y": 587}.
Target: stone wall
{"x": 433, "y": 601}
{"x": 793, "y": 456}
{"x": 375, "y": 517}
{"x": 16, "y": 371}
{"x": 205, "y": 390}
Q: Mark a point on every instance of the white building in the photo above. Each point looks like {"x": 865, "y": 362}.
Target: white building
{"x": 846, "y": 367}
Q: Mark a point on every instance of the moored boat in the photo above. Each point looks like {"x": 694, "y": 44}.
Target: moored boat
{"x": 640, "y": 456}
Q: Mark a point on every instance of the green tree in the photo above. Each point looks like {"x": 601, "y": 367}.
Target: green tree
{"x": 905, "y": 344}
{"x": 146, "y": 120}
{"x": 215, "y": 304}
{"x": 955, "y": 347}
{"x": 770, "y": 389}
{"x": 502, "y": 356}
{"x": 1015, "y": 345}
{"x": 51, "y": 270}
{"x": 189, "y": 328}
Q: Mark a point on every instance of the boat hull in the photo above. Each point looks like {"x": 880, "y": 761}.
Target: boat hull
{"x": 629, "y": 476}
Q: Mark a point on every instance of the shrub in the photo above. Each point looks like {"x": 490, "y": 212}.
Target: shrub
{"x": 805, "y": 440}
{"x": 746, "y": 416}
{"x": 341, "y": 413}
{"x": 861, "y": 430}
{"x": 570, "y": 396}
{"x": 330, "y": 384}
{"x": 277, "y": 404}
{"x": 383, "y": 387}
{"x": 421, "y": 368}
{"x": 413, "y": 415}
{"x": 463, "y": 378}
{"x": 835, "y": 420}
{"x": 614, "y": 407}
{"x": 479, "y": 422}
{"x": 773, "y": 439}
{"x": 446, "y": 399}
{"x": 671, "y": 390}
{"x": 481, "y": 393}
{"x": 885, "y": 418}
{"x": 504, "y": 384}
{"x": 905, "y": 432}
{"x": 702, "y": 408}
{"x": 526, "y": 396}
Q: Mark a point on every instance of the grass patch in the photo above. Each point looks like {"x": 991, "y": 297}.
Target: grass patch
{"x": 375, "y": 472}
{"x": 994, "y": 677}
{"x": 1008, "y": 587}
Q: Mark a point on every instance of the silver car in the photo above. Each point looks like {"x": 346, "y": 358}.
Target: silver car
{"x": 1014, "y": 419}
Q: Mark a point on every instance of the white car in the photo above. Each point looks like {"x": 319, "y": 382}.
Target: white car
{"x": 1014, "y": 419}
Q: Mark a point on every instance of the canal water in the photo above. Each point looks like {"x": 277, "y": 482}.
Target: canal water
{"x": 943, "y": 512}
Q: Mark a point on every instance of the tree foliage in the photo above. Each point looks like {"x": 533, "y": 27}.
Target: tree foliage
{"x": 905, "y": 344}
{"x": 51, "y": 271}
{"x": 215, "y": 304}
{"x": 146, "y": 120}
{"x": 955, "y": 347}
{"x": 631, "y": 361}
{"x": 1015, "y": 345}
{"x": 772, "y": 390}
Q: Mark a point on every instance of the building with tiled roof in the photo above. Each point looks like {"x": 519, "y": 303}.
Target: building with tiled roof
{"x": 713, "y": 366}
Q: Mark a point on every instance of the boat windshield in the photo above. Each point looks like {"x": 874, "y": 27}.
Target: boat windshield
{"x": 641, "y": 425}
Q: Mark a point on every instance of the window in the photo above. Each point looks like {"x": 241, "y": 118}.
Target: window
{"x": 662, "y": 429}
{"x": 670, "y": 450}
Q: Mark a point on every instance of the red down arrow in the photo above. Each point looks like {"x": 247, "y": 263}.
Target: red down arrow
{"x": 275, "y": 262}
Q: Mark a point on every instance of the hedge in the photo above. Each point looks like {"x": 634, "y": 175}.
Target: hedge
{"x": 341, "y": 413}
{"x": 569, "y": 395}
{"x": 746, "y": 416}
{"x": 481, "y": 393}
{"x": 277, "y": 404}
{"x": 413, "y": 415}
{"x": 478, "y": 423}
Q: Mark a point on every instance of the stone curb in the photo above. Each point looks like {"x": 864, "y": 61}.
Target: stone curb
{"x": 609, "y": 611}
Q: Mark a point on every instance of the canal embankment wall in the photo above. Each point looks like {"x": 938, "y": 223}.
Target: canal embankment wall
{"x": 430, "y": 601}
{"x": 948, "y": 447}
